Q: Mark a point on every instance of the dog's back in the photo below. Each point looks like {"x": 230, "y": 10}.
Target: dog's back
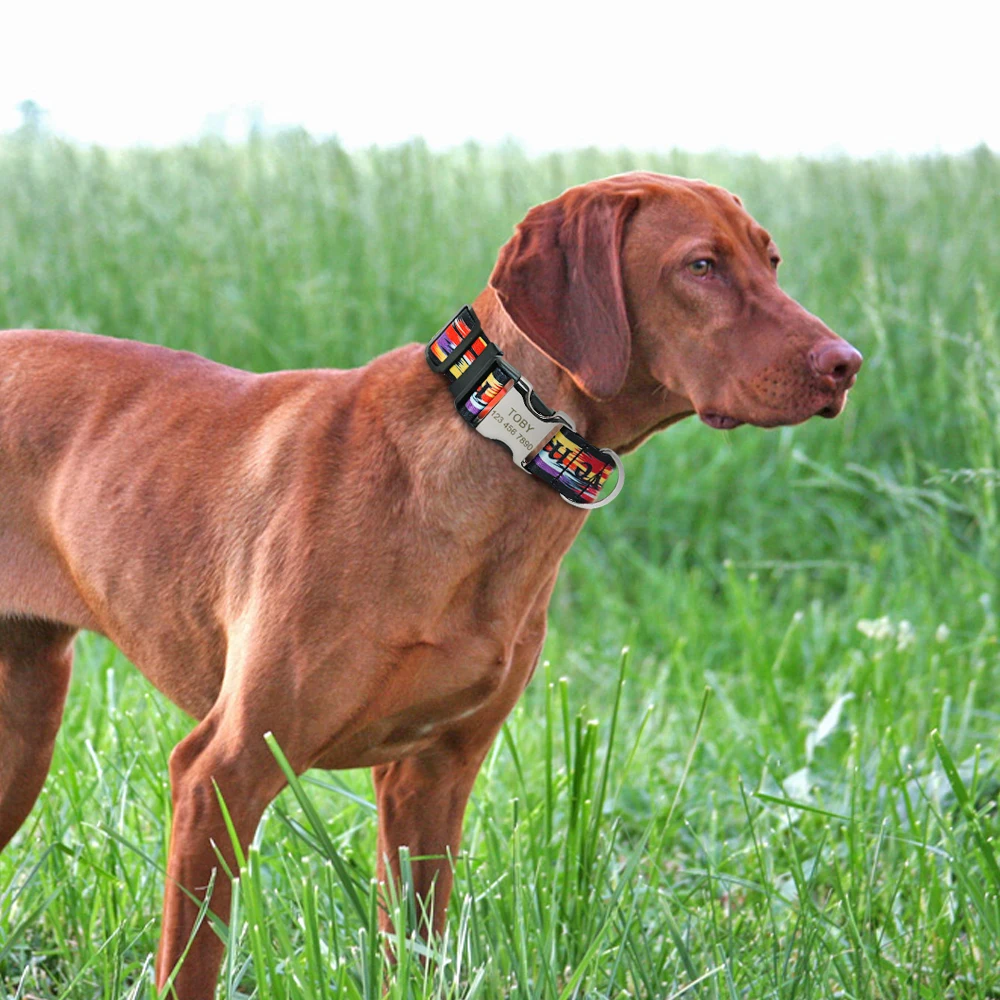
{"x": 92, "y": 426}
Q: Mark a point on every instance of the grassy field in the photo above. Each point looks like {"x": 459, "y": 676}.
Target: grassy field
{"x": 787, "y": 788}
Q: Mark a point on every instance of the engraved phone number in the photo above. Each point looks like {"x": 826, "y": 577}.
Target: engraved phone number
{"x": 512, "y": 430}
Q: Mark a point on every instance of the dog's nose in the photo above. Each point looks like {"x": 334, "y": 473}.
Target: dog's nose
{"x": 837, "y": 361}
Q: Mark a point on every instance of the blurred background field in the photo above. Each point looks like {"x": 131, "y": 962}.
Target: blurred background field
{"x": 820, "y": 824}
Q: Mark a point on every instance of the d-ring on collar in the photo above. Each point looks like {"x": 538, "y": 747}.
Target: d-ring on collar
{"x": 543, "y": 443}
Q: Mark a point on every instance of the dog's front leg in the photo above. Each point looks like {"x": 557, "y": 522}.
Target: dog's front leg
{"x": 421, "y": 805}
{"x": 421, "y": 799}
{"x": 219, "y": 752}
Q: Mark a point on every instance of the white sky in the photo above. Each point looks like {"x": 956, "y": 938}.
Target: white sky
{"x": 776, "y": 78}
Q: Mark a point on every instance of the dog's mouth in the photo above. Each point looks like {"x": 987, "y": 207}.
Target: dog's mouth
{"x": 835, "y": 408}
{"x": 724, "y": 422}
{"x": 720, "y": 421}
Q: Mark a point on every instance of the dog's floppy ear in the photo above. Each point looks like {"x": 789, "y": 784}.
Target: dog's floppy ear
{"x": 560, "y": 279}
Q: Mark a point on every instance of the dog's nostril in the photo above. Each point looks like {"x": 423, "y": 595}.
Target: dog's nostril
{"x": 838, "y": 361}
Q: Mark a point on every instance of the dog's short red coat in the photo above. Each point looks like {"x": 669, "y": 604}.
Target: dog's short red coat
{"x": 300, "y": 553}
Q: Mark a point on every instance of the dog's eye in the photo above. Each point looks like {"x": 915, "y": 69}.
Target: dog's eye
{"x": 701, "y": 268}
{"x": 775, "y": 261}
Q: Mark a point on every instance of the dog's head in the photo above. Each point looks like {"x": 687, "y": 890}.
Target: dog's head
{"x": 646, "y": 282}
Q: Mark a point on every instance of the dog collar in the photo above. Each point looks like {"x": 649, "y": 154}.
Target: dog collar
{"x": 492, "y": 396}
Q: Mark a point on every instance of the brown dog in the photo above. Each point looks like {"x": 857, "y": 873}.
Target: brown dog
{"x": 333, "y": 555}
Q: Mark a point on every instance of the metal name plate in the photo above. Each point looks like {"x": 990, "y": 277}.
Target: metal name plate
{"x": 514, "y": 423}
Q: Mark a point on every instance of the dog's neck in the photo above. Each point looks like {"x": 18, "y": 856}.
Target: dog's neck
{"x": 454, "y": 464}
{"x": 623, "y": 423}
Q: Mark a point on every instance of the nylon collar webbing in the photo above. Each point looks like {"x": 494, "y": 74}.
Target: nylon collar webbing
{"x": 491, "y": 395}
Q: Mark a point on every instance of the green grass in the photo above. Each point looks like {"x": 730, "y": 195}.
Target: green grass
{"x": 761, "y": 798}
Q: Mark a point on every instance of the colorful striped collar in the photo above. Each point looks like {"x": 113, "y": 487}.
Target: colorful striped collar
{"x": 543, "y": 443}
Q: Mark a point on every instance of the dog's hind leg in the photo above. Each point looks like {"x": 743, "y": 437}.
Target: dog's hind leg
{"x": 35, "y": 661}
